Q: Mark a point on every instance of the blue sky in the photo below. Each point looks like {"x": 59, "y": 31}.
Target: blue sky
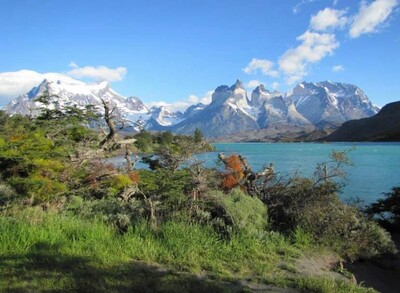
{"x": 178, "y": 51}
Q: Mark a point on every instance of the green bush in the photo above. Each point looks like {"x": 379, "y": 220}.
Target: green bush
{"x": 316, "y": 209}
{"x": 7, "y": 193}
{"x": 119, "y": 214}
{"x": 247, "y": 213}
{"x": 38, "y": 188}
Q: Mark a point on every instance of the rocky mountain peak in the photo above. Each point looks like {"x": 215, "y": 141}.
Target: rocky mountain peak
{"x": 222, "y": 88}
{"x": 260, "y": 95}
{"x": 238, "y": 85}
{"x": 261, "y": 89}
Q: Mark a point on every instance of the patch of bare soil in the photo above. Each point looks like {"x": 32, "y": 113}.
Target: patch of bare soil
{"x": 326, "y": 265}
{"x": 382, "y": 274}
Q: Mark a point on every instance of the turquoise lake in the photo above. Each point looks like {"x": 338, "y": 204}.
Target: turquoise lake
{"x": 375, "y": 166}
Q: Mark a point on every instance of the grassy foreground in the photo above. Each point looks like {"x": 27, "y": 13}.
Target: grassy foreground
{"x": 44, "y": 251}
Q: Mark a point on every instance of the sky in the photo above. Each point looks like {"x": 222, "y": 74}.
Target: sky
{"x": 177, "y": 52}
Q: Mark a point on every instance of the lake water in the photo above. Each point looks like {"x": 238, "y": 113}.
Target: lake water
{"x": 375, "y": 166}
{"x": 375, "y": 169}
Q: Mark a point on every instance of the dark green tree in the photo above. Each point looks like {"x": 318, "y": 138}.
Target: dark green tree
{"x": 387, "y": 210}
{"x": 143, "y": 141}
{"x": 198, "y": 135}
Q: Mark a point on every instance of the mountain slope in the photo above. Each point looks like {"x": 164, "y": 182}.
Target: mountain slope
{"x": 383, "y": 126}
{"x": 229, "y": 112}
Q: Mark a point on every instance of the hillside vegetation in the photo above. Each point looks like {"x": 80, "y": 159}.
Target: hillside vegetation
{"x": 69, "y": 220}
{"x": 384, "y": 126}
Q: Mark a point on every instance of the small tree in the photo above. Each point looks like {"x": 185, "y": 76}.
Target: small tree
{"x": 143, "y": 140}
{"x": 51, "y": 108}
{"x": 171, "y": 156}
{"x": 198, "y": 135}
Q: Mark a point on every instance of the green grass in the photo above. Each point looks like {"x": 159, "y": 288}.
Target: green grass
{"x": 312, "y": 284}
{"x": 53, "y": 252}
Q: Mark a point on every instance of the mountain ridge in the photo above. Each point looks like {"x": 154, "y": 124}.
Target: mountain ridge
{"x": 231, "y": 111}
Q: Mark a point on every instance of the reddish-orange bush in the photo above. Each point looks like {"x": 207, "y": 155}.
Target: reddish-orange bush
{"x": 229, "y": 181}
{"x": 234, "y": 172}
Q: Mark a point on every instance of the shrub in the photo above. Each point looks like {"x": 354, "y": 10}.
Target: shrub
{"x": 248, "y": 213}
{"x": 235, "y": 211}
{"x": 7, "y": 193}
{"x": 119, "y": 214}
{"x": 387, "y": 210}
{"x": 38, "y": 187}
{"x": 317, "y": 210}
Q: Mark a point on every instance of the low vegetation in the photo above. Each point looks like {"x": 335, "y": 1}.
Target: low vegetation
{"x": 387, "y": 210}
{"x": 71, "y": 221}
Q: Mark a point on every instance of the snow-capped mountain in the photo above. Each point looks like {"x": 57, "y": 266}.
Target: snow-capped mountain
{"x": 230, "y": 111}
{"x": 311, "y": 104}
{"x": 192, "y": 110}
{"x": 80, "y": 94}
{"x": 77, "y": 93}
{"x": 160, "y": 118}
{"x": 331, "y": 102}
{"x": 261, "y": 95}
{"x": 274, "y": 108}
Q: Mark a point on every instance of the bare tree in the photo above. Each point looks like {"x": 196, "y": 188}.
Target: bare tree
{"x": 109, "y": 118}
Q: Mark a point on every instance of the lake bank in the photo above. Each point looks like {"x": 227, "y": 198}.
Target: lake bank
{"x": 374, "y": 167}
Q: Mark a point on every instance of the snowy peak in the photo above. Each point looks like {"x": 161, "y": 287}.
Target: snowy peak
{"x": 260, "y": 95}
{"x": 278, "y": 110}
{"x": 135, "y": 104}
{"x": 331, "y": 102}
{"x": 164, "y": 117}
{"x": 67, "y": 93}
{"x": 237, "y": 85}
{"x": 234, "y": 96}
{"x": 193, "y": 110}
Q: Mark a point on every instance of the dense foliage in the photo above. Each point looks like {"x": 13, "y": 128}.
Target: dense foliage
{"x": 387, "y": 210}
{"x": 192, "y": 217}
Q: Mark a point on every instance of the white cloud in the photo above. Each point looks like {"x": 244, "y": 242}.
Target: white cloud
{"x": 328, "y": 19}
{"x": 97, "y": 73}
{"x": 15, "y": 83}
{"x": 320, "y": 40}
{"x": 265, "y": 66}
{"x": 370, "y": 17}
{"x": 314, "y": 47}
{"x": 206, "y": 99}
{"x": 253, "y": 84}
{"x": 337, "y": 68}
{"x": 183, "y": 105}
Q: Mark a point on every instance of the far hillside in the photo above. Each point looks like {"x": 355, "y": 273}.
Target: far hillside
{"x": 384, "y": 126}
